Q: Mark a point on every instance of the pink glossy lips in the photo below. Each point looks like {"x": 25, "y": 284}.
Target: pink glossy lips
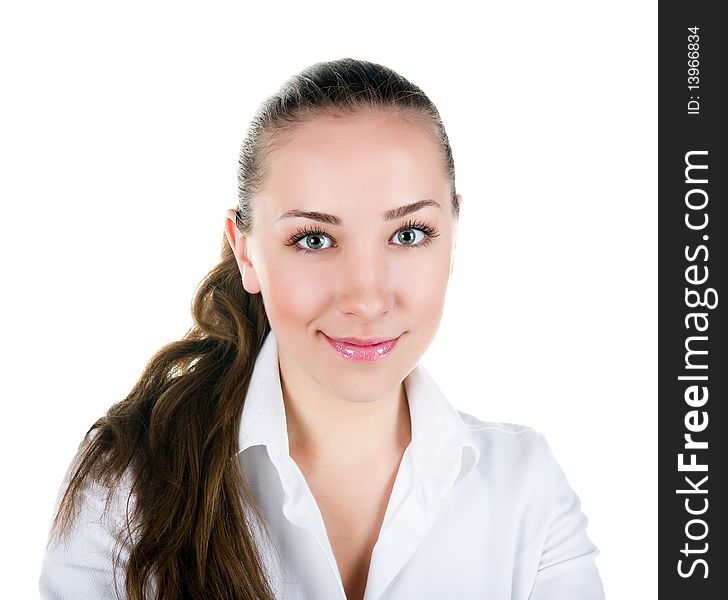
{"x": 361, "y": 349}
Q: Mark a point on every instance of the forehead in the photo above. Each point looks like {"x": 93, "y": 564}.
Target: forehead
{"x": 373, "y": 158}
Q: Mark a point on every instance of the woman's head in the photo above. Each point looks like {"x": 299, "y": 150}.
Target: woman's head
{"x": 346, "y": 221}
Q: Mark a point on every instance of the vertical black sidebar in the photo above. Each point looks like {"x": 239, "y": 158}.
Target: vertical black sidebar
{"x": 693, "y": 301}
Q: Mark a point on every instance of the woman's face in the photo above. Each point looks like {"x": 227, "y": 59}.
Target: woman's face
{"x": 367, "y": 266}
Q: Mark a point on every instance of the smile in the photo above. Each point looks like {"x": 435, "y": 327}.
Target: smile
{"x": 362, "y": 350}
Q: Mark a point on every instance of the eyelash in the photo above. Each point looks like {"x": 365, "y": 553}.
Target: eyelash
{"x": 430, "y": 234}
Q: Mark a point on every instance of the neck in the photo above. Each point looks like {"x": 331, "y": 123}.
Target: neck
{"x": 325, "y": 429}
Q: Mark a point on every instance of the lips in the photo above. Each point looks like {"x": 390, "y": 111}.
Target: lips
{"x": 362, "y": 349}
{"x": 363, "y": 342}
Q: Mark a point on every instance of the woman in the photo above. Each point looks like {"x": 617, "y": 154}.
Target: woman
{"x": 292, "y": 445}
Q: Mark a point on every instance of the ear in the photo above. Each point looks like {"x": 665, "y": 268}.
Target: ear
{"x": 455, "y": 234}
{"x": 239, "y": 243}
{"x": 457, "y": 221}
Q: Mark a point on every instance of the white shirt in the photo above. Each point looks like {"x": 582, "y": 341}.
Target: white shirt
{"x": 478, "y": 511}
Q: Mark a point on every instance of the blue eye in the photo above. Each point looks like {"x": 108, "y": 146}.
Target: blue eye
{"x": 413, "y": 234}
{"x": 313, "y": 241}
{"x": 410, "y": 236}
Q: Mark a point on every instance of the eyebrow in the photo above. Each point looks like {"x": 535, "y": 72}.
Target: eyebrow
{"x": 389, "y": 215}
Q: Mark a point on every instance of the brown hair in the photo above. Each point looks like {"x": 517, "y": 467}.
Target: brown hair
{"x": 176, "y": 434}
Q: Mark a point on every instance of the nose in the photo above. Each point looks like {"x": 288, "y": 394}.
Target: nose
{"x": 364, "y": 287}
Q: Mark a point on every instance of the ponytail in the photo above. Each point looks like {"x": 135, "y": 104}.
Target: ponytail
{"x": 176, "y": 437}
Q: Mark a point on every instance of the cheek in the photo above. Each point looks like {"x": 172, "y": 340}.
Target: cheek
{"x": 293, "y": 294}
{"x": 421, "y": 284}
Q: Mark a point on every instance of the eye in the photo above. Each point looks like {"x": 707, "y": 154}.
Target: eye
{"x": 415, "y": 234}
{"x": 409, "y": 236}
{"x": 309, "y": 240}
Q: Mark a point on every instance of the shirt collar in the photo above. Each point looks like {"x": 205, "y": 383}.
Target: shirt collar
{"x": 442, "y": 447}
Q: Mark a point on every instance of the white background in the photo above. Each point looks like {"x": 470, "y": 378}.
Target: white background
{"x": 120, "y": 127}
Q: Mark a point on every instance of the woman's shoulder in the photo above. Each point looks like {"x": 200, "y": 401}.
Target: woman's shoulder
{"x": 492, "y": 432}
{"x": 475, "y": 424}
{"x": 505, "y": 445}
{"x": 84, "y": 558}
{"x": 525, "y": 479}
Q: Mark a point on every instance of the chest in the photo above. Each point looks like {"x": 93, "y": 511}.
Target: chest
{"x": 478, "y": 540}
{"x": 352, "y": 504}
